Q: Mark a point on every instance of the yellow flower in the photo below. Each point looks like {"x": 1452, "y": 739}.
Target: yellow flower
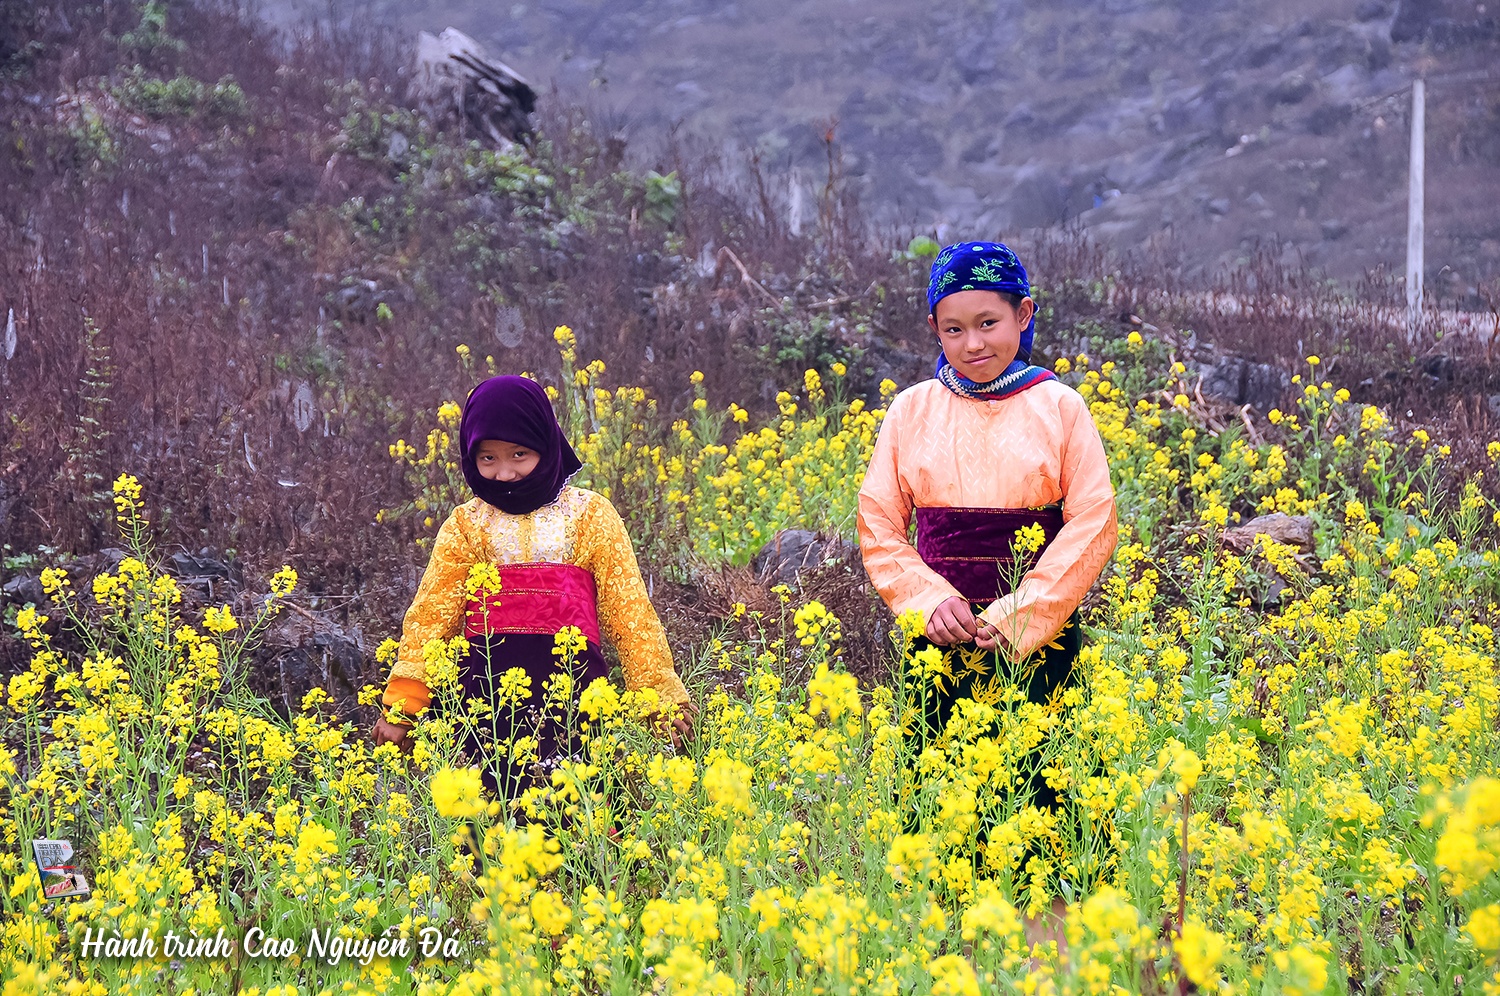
{"x": 54, "y": 580}
{"x": 127, "y": 494}
{"x": 599, "y": 700}
{"x": 814, "y": 623}
{"x": 991, "y": 914}
{"x": 387, "y": 651}
{"x": 315, "y": 844}
{"x": 219, "y": 620}
{"x": 1303, "y": 972}
{"x": 483, "y": 580}
{"x": 458, "y": 793}
{"x": 834, "y": 693}
{"x": 952, "y": 975}
{"x": 550, "y": 912}
{"x": 1468, "y": 850}
{"x": 283, "y": 582}
{"x": 1483, "y": 928}
{"x": 675, "y": 775}
{"x": 911, "y": 859}
{"x": 1200, "y": 951}
{"x": 1029, "y": 539}
{"x": 767, "y": 904}
{"x": 569, "y": 642}
{"x": 1183, "y": 763}
{"x": 726, "y": 782}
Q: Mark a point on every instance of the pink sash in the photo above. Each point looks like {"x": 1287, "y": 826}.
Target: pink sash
{"x": 537, "y": 598}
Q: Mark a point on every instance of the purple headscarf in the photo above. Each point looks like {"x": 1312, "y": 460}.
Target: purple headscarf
{"x": 516, "y": 410}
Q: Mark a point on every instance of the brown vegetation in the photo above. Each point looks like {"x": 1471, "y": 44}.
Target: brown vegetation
{"x": 239, "y": 268}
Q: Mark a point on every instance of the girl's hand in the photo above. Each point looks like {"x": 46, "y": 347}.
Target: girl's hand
{"x": 953, "y": 622}
{"x": 989, "y": 637}
{"x": 679, "y": 728}
{"x": 387, "y": 732}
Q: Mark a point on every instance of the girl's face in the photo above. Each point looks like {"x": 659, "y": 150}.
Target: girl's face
{"x": 980, "y": 332}
{"x": 505, "y": 462}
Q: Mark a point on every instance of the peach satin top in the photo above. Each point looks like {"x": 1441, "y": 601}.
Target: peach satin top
{"x": 939, "y": 450}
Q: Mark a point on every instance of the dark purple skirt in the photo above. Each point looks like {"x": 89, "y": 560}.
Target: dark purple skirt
{"x": 487, "y": 742}
{"x": 972, "y": 547}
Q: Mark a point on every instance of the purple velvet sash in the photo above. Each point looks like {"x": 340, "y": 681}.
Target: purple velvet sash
{"x": 971, "y": 547}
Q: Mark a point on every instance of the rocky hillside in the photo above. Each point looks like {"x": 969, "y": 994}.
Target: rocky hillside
{"x": 1202, "y": 127}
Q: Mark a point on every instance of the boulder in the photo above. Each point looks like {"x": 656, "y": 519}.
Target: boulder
{"x": 303, "y": 651}
{"x": 1241, "y": 382}
{"x": 22, "y": 589}
{"x": 456, "y": 82}
{"x": 213, "y": 578}
{"x": 1288, "y": 530}
{"x": 792, "y": 551}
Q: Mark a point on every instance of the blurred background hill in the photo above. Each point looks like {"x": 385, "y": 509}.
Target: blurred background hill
{"x": 1206, "y": 127}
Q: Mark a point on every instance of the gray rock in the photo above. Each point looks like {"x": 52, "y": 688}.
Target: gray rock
{"x": 303, "y": 651}
{"x": 1219, "y": 206}
{"x": 792, "y": 551}
{"x": 1240, "y": 382}
{"x": 358, "y": 301}
{"x": 1292, "y": 88}
{"x": 1329, "y": 118}
{"x": 23, "y": 588}
{"x": 1288, "y": 530}
{"x": 456, "y": 82}
{"x": 1334, "y": 228}
{"x": 204, "y": 571}
{"x": 1439, "y": 367}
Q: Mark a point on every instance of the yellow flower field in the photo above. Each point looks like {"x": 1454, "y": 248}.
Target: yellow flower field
{"x": 1281, "y": 767}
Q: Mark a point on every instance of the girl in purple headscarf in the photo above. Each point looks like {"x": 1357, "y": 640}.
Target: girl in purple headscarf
{"x": 563, "y": 558}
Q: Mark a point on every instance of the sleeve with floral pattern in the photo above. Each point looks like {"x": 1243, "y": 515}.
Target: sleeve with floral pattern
{"x": 625, "y": 612}
{"x": 437, "y": 612}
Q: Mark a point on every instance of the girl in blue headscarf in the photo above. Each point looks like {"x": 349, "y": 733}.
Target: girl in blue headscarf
{"x": 990, "y": 446}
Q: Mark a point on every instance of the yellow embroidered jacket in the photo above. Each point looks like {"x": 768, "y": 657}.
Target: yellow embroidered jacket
{"x": 580, "y": 528}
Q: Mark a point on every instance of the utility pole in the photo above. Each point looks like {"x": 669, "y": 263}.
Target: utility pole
{"x": 1414, "y": 221}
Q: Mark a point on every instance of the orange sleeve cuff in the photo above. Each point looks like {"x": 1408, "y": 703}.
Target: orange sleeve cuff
{"x": 407, "y": 694}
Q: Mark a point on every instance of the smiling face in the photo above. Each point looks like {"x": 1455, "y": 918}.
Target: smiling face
{"x": 980, "y": 331}
{"x": 505, "y": 462}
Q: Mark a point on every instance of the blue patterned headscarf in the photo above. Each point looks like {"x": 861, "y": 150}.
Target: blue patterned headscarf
{"x": 981, "y": 266}
{"x": 985, "y": 266}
